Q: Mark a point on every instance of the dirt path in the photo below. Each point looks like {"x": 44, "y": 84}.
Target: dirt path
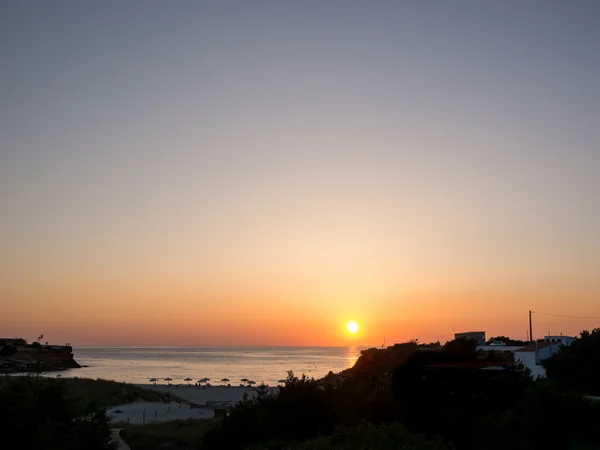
{"x": 121, "y": 444}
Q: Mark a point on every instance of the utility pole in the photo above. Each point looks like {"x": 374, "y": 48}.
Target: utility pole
{"x": 530, "y": 328}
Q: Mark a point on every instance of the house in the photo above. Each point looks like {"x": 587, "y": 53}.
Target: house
{"x": 564, "y": 340}
{"x": 533, "y": 354}
{"x": 478, "y": 336}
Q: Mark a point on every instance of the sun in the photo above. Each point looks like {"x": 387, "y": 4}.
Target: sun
{"x": 352, "y": 327}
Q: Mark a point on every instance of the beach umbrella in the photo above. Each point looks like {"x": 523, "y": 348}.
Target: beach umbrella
{"x": 153, "y": 380}
{"x": 188, "y": 380}
{"x": 244, "y": 380}
{"x": 168, "y": 380}
{"x": 251, "y": 382}
{"x": 225, "y": 380}
{"x": 281, "y": 381}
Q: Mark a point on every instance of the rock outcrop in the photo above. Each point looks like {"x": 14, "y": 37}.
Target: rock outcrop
{"x": 36, "y": 357}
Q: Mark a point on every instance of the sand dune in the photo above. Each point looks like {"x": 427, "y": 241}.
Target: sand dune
{"x": 201, "y": 404}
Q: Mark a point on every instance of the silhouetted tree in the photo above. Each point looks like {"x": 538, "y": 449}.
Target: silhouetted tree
{"x": 507, "y": 341}
{"x": 576, "y": 367}
{"x": 38, "y": 414}
{"x": 462, "y": 347}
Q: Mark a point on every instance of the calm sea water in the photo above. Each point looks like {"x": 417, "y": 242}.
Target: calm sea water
{"x": 261, "y": 364}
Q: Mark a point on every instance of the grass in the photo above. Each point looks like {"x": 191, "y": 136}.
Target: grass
{"x": 104, "y": 393}
{"x": 111, "y": 393}
{"x": 174, "y": 435}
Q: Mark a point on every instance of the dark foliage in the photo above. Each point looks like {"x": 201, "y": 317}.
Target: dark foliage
{"x": 300, "y": 411}
{"x": 576, "y": 368}
{"x": 507, "y": 341}
{"x": 38, "y": 415}
{"x": 171, "y": 435}
{"x": 543, "y": 419}
{"x": 381, "y": 361}
{"x": 461, "y": 347}
{"x": 8, "y": 350}
{"x": 106, "y": 393}
{"x": 445, "y": 393}
{"x": 365, "y": 436}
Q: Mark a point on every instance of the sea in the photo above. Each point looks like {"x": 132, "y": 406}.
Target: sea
{"x": 265, "y": 365}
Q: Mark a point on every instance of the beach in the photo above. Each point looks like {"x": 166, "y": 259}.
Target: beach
{"x": 203, "y": 395}
{"x": 199, "y": 403}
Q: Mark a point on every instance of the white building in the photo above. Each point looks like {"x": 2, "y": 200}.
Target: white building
{"x": 533, "y": 354}
{"x": 564, "y": 340}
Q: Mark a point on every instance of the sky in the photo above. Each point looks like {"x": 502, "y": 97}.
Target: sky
{"x": 259, "y": 173}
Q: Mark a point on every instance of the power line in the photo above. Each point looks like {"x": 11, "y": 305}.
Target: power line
{"x": 562, "y": 315}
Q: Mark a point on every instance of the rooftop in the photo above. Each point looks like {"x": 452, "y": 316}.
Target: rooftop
{"x": 536, "y": 346}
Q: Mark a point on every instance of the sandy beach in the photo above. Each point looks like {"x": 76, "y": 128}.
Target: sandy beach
{"x": 201, "y": 404}
{"x": 212, "y": 394}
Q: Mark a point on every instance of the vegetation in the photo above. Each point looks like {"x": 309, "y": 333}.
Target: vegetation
{"x": 543, "y": 418}
{"x": 507, "y": 341}
{"x": 175, "y": 435}
{"x": 576, "y": 368}
{"x": 381, "y": 361}
{"x": 107, "y": 393}
{"x": 365, "y": 436}
{"x": 300, "y": 411}
{"x": 461, "y": 348}
{"x": 83, "y": 392}
{"x": 8, "y": 350}
{"x": 40, "y": 415}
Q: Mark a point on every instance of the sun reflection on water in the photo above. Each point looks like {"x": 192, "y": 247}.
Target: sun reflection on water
{"x": 352, "y": 355}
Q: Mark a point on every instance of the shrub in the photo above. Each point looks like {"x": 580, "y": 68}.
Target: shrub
{"x": 8, "y": 350}
{"x": 365, "y": 436}
{"x": 36, "y": 414}
{"x": 576, "y": 368}
{"x": 301, "y": 410}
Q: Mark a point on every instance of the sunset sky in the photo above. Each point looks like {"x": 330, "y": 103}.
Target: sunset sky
{"x": 262, "y": 172}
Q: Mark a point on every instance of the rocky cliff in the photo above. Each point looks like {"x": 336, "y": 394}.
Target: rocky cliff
{"x": 38, "y": 357}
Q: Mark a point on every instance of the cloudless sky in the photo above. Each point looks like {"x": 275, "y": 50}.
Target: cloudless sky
{"x": 260, "y": 172}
